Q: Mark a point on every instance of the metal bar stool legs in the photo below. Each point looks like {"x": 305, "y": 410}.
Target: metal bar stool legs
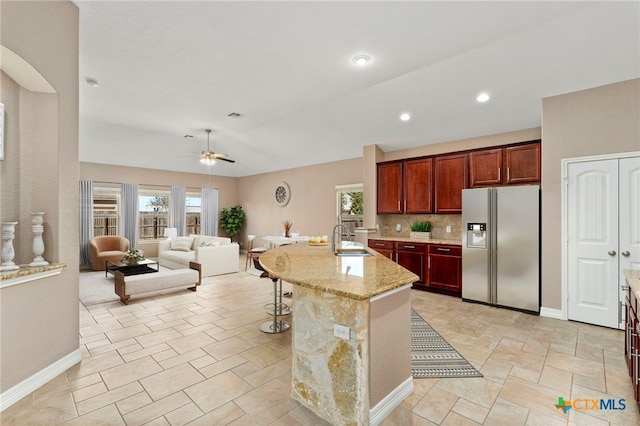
{"x": 279, "y": 309}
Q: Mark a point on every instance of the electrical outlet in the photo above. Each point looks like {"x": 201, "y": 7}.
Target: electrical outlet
{"x": 448, "y": 229}
{"x": 341, "y": 331}
{"x": 398, "y": 227}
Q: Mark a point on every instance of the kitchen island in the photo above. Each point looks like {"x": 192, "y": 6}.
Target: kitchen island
{"x": 351, "y": 354}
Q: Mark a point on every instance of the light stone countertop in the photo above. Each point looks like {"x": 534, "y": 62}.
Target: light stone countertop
{"x": 26, "y": 270}
{"x": 358, "y": 278}
{"x": 419, "y": 240}
{"x": 632, "y": 277}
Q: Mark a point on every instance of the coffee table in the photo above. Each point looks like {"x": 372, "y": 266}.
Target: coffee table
{"x": 142, "y": 267}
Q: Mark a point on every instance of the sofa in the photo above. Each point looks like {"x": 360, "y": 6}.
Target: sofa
{"x": 107, "y": 247}
{"x": 216, "y": 255}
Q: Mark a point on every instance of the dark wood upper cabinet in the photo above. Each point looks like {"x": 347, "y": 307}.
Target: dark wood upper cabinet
{"x": 405, "y": 187}
{"x": 417, "y": 179}
{"x": 517, "y": 164}
{"x": 523, "y": 163}
{"x": 450, "y": 179}
{"x": 389, "y": 188}
{"x": 485, "y": 168}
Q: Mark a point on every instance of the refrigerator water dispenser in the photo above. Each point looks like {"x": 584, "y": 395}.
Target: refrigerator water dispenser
{"x": 477, "y": 235}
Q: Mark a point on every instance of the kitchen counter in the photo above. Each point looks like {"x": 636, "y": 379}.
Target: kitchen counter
{"x": 420, "y": 240}
{"x": 359, "y": 278}
{"x": 351, "y": 343}
{"x": 632, "y": 276}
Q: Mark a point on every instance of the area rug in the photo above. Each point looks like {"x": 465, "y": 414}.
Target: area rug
{"x": 96, "y": 288}
{"x": 432, "y": 356}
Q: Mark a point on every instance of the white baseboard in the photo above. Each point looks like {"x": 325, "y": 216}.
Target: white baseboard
{"x": 389, "y": 403}
{"x": 25, "y": 387}
{"x": 552, "y": 313}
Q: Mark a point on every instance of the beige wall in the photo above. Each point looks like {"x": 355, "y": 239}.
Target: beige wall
{"x": 39, "y": 319}
{"x": 312, "y": 206}
{"x": 602, "y": 120}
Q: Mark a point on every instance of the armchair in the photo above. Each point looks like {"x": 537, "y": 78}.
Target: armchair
{"x": 108, "y": 247}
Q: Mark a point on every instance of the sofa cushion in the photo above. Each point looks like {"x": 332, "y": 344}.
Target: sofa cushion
{"x": 182, "y": 257}
{"x": 183, "y": 244}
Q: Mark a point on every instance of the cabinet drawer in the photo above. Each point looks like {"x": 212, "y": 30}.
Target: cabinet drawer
{"x": 415, "y": 247}
{"x": 380, "y": 244}
{"x": 445, "y": 249}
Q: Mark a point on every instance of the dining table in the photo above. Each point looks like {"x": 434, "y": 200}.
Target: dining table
{"x": 279, "y": 240}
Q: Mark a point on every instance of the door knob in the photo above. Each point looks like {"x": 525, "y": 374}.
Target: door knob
{"x": 612, "y": 252}
{"x": 625, "y": 254}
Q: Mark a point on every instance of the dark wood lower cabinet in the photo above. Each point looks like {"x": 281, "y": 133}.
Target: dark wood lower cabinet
{"x": 387, "y": 248}
{"x": 445, "y": 268}
{"x": 412, "y": 256}
{"x": 438, "y": 266}
{"x": 632, "y": 343}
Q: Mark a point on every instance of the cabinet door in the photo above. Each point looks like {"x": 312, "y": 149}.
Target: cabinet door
{"x": 485, "y": 168}
{"x": 450, "y": 180}
{"x": 445, "y": 272}
{"x": 389, "y": 188}
{"x": 412, "y": 261}
{"x": 417, "y": 178}
{"x": 523, "y": 163}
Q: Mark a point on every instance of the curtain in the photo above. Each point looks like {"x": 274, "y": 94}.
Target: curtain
{"x": 178, "y": 209}
{"x": 130, "y": 212}
{"x": 86, "y": 220}
{"x": 209, "y": 212}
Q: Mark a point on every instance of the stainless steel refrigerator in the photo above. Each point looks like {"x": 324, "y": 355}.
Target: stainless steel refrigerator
{"x": 501, "y": 246}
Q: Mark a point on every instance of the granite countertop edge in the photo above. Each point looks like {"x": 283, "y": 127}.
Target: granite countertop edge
{"x": 393, "y": 276}
{"x": 632, "y": 277}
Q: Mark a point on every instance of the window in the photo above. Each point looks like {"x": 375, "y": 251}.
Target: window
{"x": 153, "y": 206}
{"x": 350, "y": 206}
{"x": 193, "y": 209}
{"x": 106, "y": 210}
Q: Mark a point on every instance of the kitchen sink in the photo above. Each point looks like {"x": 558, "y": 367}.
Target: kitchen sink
{"x": 352, "y": 252}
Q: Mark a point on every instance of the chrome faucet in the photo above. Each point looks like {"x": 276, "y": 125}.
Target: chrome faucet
{"x": 333, "y": 235}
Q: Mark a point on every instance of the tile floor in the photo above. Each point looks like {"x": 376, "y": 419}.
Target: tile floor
{"x": 199, "y": 359}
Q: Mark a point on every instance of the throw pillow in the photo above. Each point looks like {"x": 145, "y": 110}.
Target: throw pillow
{"x": 182, "y": 244}
{"x": 209, "y": 243}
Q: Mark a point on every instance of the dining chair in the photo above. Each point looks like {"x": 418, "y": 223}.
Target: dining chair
{"x": 252, "y": 252}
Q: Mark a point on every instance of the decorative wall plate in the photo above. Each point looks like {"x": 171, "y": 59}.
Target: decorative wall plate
{"x": 282, "y": 194}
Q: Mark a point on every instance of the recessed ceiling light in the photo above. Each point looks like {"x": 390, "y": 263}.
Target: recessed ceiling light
{"x": 482, "y": 97}
{"x": 405, "y": 116}
{"x": 92, "y": 82}
{"x": 361, "y": 60}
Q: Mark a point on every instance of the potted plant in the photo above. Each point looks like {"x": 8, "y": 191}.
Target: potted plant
{"x": 231, "y": 220}
{"x": 421, "y": 229}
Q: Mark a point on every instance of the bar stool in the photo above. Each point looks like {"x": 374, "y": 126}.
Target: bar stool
{"x": 279, "y": 309}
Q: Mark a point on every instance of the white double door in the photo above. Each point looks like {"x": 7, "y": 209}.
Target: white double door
{"x": 603, "y": 224}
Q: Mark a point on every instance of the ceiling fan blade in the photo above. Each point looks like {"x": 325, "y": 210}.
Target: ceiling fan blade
{"x": 228, "y": 160}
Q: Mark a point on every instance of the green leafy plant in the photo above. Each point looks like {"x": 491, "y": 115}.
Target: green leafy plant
{"x": 231, "y": 220}
{"x": 421, "y": 226}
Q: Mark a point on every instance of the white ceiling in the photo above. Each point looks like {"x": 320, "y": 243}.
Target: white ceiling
{"x": 171, "y": 68}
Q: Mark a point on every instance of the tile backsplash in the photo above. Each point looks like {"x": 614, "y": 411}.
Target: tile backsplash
{"x": 439, "y": 223}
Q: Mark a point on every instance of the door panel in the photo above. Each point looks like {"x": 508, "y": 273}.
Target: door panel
{"x": 629, "y": 214}
{"x": 593, "y": 242}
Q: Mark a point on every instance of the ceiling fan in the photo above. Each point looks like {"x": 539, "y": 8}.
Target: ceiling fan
{"x": 208, "y": 157}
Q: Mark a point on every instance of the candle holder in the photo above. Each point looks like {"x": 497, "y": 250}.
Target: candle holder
{"x": 37, "y": 219}
{"x": 8, "y": 234}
